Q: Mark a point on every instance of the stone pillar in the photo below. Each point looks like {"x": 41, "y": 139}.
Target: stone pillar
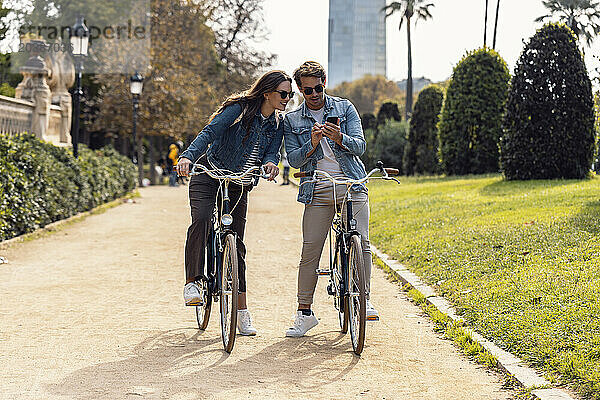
{"x": 34, "y": 88}
{"x": 62, "y": 77}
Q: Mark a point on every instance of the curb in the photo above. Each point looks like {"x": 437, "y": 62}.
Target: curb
{"x": 54, "y": 226}
{"x": 509, "y": 363}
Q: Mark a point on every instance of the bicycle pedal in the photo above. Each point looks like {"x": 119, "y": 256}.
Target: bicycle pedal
{"x": 323, "y": 272}
{"x": 373, "y": 318}
{"x": 195, "y": 304}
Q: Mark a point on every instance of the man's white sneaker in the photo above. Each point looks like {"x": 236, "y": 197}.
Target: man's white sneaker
{"x": 302, "y": 324}
{"x": 372, "y": 314}
{"x": 244, "y": 323}
{"x": 192, "y": 294}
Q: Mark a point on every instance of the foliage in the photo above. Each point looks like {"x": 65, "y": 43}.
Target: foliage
{"x": 421, "y": 151}
{"x": 7, "y": 90}
{"x": 388, "y": 111}
{"x": 520, "y": 260}
{"x": 582, "y": 16}
{"x": 407, "y": 9}
{"x": 386, "y": 144}
{"x": 549, "y": 122}
{"x": 369, "y": 92}
{"x": 369, "y": 121}
{"x": 41, "y": 183}
{"x": 471, "y": 121}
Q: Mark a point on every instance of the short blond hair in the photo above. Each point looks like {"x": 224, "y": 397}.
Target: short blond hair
{"x": 309, "y": 68}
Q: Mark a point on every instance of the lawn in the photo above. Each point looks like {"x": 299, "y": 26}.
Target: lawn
{"x": 519, "y": 260}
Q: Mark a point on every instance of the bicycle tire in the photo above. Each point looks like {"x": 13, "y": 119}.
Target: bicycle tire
{"x": 229, "y": 292}
{"x": 357, "y": 297}
{"x": 203, "y": 311}
{"x": 340, "y": 300}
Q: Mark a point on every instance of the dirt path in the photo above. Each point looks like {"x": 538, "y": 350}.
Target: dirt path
{"x": 95, "y": 311}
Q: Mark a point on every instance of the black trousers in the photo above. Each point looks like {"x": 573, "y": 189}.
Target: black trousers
{"x": 203, "y": 192}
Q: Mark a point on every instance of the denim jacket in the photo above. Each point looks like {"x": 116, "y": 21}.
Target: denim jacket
{"x": 297, "y": 126}
{"x": 223, "y": 137}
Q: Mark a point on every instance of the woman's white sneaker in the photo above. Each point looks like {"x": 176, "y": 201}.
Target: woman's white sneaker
{"x": 192, "y": 294}
{"x": 244, "y": 323}
{"x": 302, "y": 324}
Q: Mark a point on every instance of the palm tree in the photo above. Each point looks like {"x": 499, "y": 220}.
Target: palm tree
{"x": 582, "y": 16}
{"x": 485, "y": 24}
{"x": 496, "y": 24}
{"x": 407, "y": 9}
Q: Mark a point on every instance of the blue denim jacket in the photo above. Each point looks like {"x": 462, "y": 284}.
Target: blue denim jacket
{"x": 297, "y": 126}
{"x": 223, "y": 137}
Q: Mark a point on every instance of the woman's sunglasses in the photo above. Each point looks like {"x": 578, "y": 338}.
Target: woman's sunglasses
{"x": 285, "y": 95}
{"x": 308, "y": 90}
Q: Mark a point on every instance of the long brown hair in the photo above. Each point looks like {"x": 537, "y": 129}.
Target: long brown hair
{"x": 251, "y": 100}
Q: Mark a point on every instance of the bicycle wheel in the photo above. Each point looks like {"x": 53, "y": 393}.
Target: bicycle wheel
{"x": 229, "y": 292}
{"x": 357, "y": 298}
{"x": 340, "y": 300}
{"x": 203, "y": 311}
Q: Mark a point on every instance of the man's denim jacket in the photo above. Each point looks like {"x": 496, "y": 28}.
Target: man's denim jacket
{"x": 225, "y": 135}
{"x": 297, "y": 126}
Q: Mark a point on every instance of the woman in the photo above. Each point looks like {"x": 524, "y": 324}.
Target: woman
{"x": 242, "y": 133}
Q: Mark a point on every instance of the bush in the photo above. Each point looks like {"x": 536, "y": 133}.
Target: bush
{"x": 471, "y": 121}
{"x": 386, "y": 144}
{"x": 41, "y": 183}
{"x": 421, "y": 151}
{"x": 549, "y": 122}
{"x": 388, "y": 110}
{"x": 7, "y": 90}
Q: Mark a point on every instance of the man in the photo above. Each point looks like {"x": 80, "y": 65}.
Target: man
{"x": 313, "y": 143}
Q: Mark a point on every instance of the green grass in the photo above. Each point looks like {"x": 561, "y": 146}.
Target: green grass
{"x": 519, "y": 260}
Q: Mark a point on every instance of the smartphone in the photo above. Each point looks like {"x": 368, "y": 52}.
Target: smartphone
{"x": 333, "y": 120}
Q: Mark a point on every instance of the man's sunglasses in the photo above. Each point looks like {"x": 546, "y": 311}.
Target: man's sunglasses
{"x": 308, "y": 90}
{"x": 285, "y": 95}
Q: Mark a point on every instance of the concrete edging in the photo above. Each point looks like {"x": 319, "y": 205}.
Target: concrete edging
{"x": 509, "y": 363}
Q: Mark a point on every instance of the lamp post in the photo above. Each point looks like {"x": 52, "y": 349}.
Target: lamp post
{"x": 79, "y": 36}
{"x": 137, "y": 84}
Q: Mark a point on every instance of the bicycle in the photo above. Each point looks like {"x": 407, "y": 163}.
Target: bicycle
{"x": 346, "y": 267}
{"x": 221, "y": 281}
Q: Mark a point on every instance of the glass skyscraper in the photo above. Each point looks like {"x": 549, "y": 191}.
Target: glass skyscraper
{"x": 356, "y": 40}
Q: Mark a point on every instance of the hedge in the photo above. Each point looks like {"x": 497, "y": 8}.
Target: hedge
{"x": 41, "y": 183}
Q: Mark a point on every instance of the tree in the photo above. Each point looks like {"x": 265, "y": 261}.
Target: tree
{"x": 582, "y": 16}
{"x": 549, "y": 121}
{"x": 407, "y": 9}
{"x": 421, "y": 151}
{"x": 369, "y": 121}
{"x": 388, "y": 111}
{"x": 388, "y": 144}
{"x": 369, "y": 92}
{"x": 470, "y": 125}
{"x": 496, "y": 24}
{"x": 485, "y": 24}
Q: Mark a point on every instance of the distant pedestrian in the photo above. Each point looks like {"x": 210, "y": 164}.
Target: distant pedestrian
{"x": 286, "y": 165}
{"x": 172, "y": 164}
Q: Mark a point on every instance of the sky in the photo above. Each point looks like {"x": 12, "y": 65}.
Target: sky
{"x": 298, "y": 32}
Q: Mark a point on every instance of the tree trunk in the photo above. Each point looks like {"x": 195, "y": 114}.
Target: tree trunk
{"x": 140, "y": 159}
{"x": 409, "y": 82}
{"x": 485, "y": 24}
{"x": 152, "y": 156}
{"x": 496, "y": 24}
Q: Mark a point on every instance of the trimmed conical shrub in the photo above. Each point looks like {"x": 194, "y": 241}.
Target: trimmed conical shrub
{"x": 471, "y": 121}
{"x": 549, "y": 121}
{"x": 421, "y": 151}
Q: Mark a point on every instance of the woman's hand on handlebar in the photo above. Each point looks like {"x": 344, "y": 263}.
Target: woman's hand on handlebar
{"x": 272, "y": 170}
{"x": 183, "y": 166}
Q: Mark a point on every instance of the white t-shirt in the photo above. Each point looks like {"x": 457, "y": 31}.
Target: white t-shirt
{"x": 328, "y": 163}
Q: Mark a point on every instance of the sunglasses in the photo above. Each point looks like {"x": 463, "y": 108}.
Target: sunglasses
{"x": 285, "y": 94}
{"x": 308, "y": 90}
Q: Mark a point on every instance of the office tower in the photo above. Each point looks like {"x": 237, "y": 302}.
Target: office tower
{"x": 356, "y": 40}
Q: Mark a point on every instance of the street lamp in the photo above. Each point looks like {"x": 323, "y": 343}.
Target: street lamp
{"x": 79, "y": 36}
{"x": 137, "y": 84}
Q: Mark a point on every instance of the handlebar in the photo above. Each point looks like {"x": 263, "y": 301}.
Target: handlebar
{"x": 223, "y": 174}
{"x": 386, "y": 173}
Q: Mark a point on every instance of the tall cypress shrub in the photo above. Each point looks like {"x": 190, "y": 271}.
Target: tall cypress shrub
{"x": 421, "y": 151}
{"x": 471, "y": 121}
{"x": 549, "y": 122}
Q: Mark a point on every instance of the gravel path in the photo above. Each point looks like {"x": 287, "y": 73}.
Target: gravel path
{"x": 95, "y": 311}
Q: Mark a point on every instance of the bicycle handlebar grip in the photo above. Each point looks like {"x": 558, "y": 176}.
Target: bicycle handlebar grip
{"x": 392, "y": 171}
{"x": 302, "y": 174}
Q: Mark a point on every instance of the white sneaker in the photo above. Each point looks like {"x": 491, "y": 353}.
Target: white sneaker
{"x": 192, "y": 294}
{"x": 372, "y": 314}
{"x": 302, "y": 324}
{"x": 244, "y": 323}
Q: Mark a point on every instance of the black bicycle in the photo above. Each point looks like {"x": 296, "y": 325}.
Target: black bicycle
{"x": 221, "y": 281}
{"x": 346, "y": 268}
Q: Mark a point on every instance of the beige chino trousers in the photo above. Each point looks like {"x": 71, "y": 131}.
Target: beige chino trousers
{"x": 316, "y": 223}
